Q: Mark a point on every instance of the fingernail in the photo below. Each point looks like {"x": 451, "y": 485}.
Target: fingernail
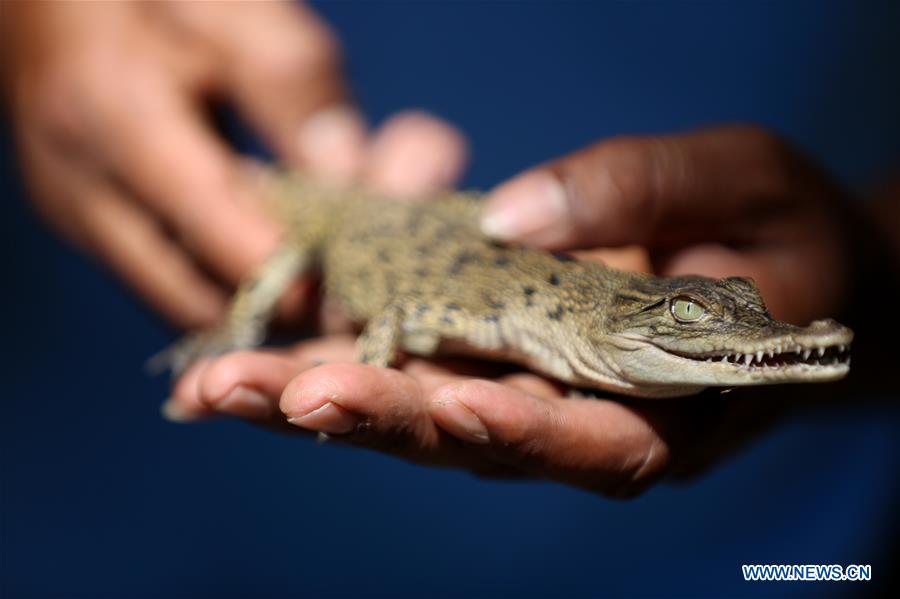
{"x": 527, "y": 205}
{"x": 330, "y": 418}
{"x": 246, "y": 403}
{"x": 330, "y": 143}
{"x": 174, "y": 411}
{"x": 461, "y": 422}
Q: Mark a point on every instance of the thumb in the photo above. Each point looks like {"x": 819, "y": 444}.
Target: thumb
{"x": 648, "y": 190}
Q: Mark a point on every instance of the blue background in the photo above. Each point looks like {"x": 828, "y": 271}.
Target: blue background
{"x": 100, "y": 496}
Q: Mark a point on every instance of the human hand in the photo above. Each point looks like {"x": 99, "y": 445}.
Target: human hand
{"x": 726, "y": 201}
{"x": 515, "y": 425}
{"x": 109, "y": 104}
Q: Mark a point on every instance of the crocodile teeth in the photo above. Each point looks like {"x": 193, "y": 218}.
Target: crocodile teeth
{"x": 787, "y": 354}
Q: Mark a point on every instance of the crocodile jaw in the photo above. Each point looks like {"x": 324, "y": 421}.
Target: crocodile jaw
{"x": 817, "y": 353}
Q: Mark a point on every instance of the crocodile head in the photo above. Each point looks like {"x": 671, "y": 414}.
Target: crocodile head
{"x": 675, "y": 336}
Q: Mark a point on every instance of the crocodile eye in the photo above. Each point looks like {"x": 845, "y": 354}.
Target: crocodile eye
{"x": 686, "y": 309}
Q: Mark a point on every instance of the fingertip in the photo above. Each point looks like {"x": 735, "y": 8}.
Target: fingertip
{"x": 184, "y": 404}
{"x": 245, "y": 384}
{"x": 312, "y": 389}
{"x": 341, "y": 398}
{"x": 460, "y": 421}
{"x": 220, "y": 376}
{"x": 177, "y": 412}
{"x": 480, "y": 411}
{"x": 415, "y": 152}
{"x": 533, "y": 207}
{"x": 352, "y": 386}
{"x": 187, "y": 386}
{"x": 331, "y": 144}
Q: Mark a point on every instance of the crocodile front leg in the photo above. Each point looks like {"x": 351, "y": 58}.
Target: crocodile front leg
{"x": 248, "y": 316}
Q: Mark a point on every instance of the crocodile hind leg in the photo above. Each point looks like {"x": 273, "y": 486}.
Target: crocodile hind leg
{"x": 401, "y": 325}
{"x": 248, "y": 314}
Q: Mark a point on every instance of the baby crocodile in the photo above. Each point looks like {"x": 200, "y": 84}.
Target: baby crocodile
{"x": 424, "y": 279}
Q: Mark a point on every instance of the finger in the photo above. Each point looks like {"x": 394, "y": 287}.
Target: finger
{"x": 131, "y": 242}
{"x": 599, "y": 445}
{"x": 414, "y": 153}
{"x": 378, "y": 408}
{"x": 182, "y": 172}
{"x": 248, "y": 384}
{"x": 183, "y": 404}
{"x": 331, "y": 144}
{"x": 101, "y": 218}
{"x": 646, "y": 190}
{"x": 282, "y": 67}
{"x": 381, "y": 408}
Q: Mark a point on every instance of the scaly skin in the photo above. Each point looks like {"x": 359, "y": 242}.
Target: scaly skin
{"x": 424, "y": 279}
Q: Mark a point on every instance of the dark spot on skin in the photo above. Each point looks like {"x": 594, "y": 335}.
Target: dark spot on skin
{"x": 460, "y": 261}
{"x": 497, "y": 305}
{"x": 553, "y": 280}
{"x": 452, "y": 306}
{"x": 557, "y": 313}
{"x": 501, "y": 261}
{"x": 564, "y": 257}
{"x": 529, "y": 293}
{"x": 492, "y": 318}
{"x": 422, "y": 307}
{"x": 422, "y": 272}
